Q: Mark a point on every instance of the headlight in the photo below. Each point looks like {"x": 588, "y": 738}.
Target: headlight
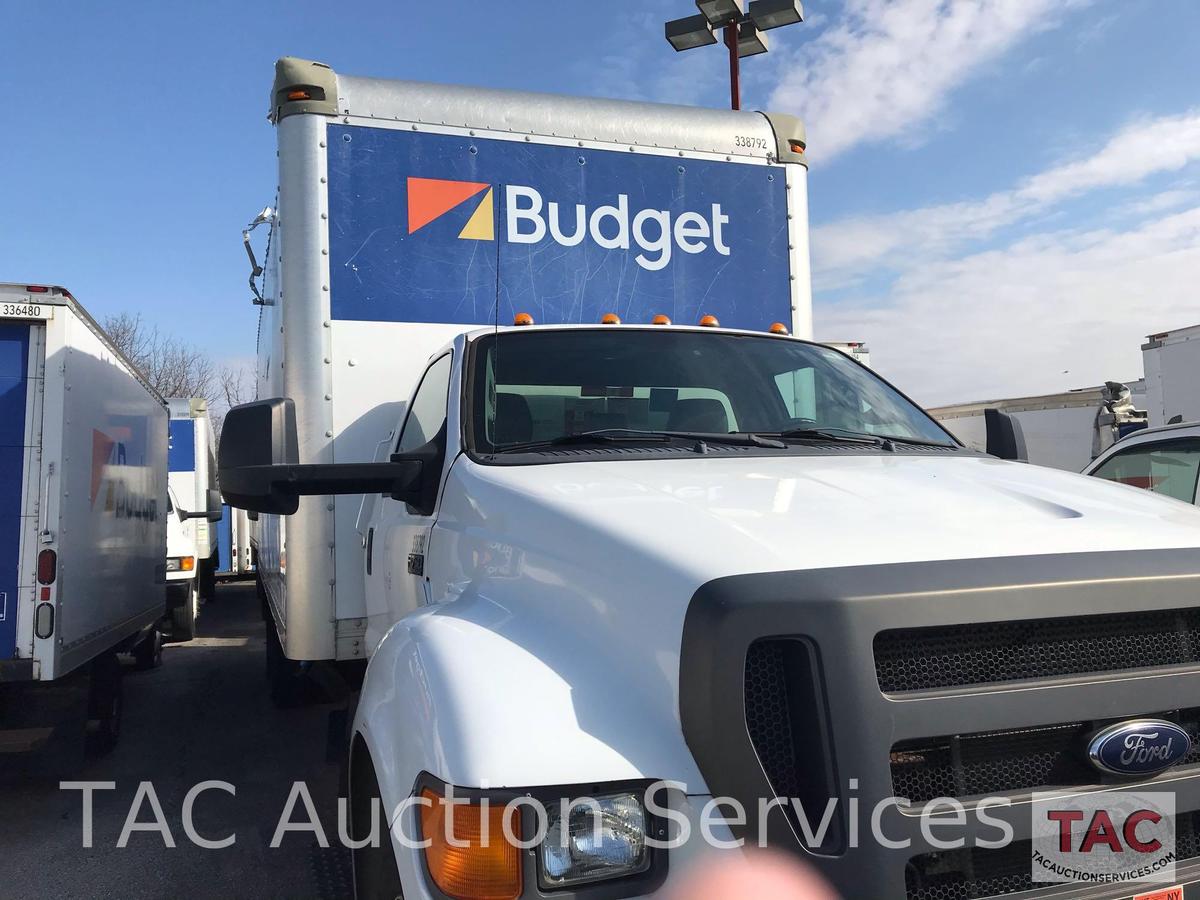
{"x": 181, "y": 563}
{"x": 597, "y": 840}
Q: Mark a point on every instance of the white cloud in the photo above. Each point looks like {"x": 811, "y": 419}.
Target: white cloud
{"x": 887, "y": 66}
{"x": 844, "y": 250}
{"x": 1049, "y": 313}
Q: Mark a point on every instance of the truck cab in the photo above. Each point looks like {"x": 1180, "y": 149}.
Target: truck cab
{"x": 183, "y": 565}
{"x": 614, "y": 560}
{"x": 1163, "y": 460}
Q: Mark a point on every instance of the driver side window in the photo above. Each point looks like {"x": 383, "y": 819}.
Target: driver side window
{"x": 428, "y": 410}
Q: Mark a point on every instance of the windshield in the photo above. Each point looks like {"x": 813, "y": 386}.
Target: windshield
{"x": 543, "y": 386}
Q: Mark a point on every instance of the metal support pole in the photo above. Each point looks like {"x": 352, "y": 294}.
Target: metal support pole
{"x": 735, "y": 82}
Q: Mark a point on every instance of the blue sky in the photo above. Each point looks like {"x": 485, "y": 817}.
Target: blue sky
{"x": 1005, "y": 194}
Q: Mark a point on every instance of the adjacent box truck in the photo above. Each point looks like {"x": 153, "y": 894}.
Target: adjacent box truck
{"x": 1064, "y": 431}
{"x": 1172, "y": 364}
{"x": 233, "y": 543}
{"x": 676, "y": 556}
{"x": 83, "y": 465}
{"x": 193, "y": 478}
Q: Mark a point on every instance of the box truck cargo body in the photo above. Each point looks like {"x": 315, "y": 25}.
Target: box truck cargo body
{"x": 233, "y": 543}
{"x": 410, "y": 212}
{"x": 83, "y": 464}
{"x": 193, "y": 476}
{"x": 1172, "y": 364}
{"x": 587, "y": 559}
{"x": 1062, "y": 431}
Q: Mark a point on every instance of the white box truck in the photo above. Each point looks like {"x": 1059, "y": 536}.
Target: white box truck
{"x": 193, "y": 478}
{"x": 1172, "y": 365}
{"x": 83, "y": 469}
{"x": 233, "y": 544}
{"x": 655, "y": 564}
{"x": 1063, "y": 431}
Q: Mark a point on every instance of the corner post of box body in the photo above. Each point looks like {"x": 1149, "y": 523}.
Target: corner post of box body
{"x": 790, "y": 146}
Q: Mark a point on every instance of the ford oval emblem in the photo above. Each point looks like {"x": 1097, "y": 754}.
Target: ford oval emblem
{"x": 1138, "y": 748}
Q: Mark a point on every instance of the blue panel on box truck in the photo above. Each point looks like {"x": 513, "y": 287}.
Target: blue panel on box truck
{"x": 14, "y": 367}
{"x": 181, "y": 447}
{"x": 420, "y": 224}
{"x": 225, "y": 540}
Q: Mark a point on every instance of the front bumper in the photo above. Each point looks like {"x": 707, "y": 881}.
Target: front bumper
{"x": 178, "y": 591}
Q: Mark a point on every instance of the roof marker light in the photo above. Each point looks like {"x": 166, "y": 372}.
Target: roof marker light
{"x": 37, "y": 289}
{"x": 610, "y": 319}
{"x": 522, "y": 319}
{"x": 709, "y": 322}
{"x": 660, "y": 319}
{"x": 778, "y": 328}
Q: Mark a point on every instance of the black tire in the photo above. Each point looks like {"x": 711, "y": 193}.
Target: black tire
{"x": 208, "y": 580}
{"x": 375, "y": 872}
{"x": 147, "y": 653}
{"x": 106, "y": 704}
{"x": 183, "y": 618}
{"x": 289, "y": 684}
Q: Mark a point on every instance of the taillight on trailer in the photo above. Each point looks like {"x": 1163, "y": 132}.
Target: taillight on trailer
{"x": 47, "y": 566}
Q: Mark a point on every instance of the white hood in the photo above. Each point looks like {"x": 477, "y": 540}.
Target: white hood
{"x": 572, "y": 581}
{"x": 733, "y": 516}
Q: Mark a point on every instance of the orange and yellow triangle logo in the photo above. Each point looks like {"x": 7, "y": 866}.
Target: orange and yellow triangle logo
{"x": 431, "y": 198}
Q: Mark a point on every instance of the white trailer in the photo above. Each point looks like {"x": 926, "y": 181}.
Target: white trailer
{"x": 234, "y": 544}
{"x": 1172, "y": 364}
{"x": 83, "y": 464}
{"x": 856, "y": 350}
{"x": 1062, "y": 431}
{"x": 193, "y": 478}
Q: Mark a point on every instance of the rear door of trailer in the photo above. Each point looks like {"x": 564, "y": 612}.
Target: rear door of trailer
{"x": 21, "y": 345}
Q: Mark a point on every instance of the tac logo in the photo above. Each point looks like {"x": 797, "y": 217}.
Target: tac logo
{"x": 530, "y": 219}
{"x": 432, "y": 198}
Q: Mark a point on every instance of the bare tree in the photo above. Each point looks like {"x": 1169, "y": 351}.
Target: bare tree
{"x": 236, "y": 386}
{"x": 173, "y": 367}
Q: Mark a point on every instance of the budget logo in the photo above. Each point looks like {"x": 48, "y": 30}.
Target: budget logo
{"x": 432, "y": 198}
{"x": 529, "y": 218}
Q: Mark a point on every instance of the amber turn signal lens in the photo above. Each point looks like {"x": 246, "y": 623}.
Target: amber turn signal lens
{"x": 187, "y": 563}
{"x": 709, "y": 321}
{"x": 477, "y": 868}
{"x": 778, "y": 328}
{"x": 298, "y": 95}
{"x": 522, "y": 319}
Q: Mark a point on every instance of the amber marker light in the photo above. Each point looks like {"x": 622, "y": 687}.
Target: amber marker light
{"x": 467, "y": 868}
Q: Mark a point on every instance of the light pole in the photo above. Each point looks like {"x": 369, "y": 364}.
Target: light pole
{"x": 742, "y": 31}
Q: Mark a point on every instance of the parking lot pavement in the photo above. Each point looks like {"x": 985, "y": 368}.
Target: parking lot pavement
{"x": 203, "y": 715}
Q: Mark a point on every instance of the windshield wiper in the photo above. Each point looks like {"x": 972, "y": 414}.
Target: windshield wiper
{"x": 845, "y": 435}
{"x": 633, "y": 435}
{"x": 920, "y": 442}
{"x": 842, "y": 435}
{"x": 598, "y": 436}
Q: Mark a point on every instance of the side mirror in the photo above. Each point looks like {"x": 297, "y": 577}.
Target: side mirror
{"x": 213, "y": 502}
{"x": 1005, "y": 438}
{"x": 257, "y": 464}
